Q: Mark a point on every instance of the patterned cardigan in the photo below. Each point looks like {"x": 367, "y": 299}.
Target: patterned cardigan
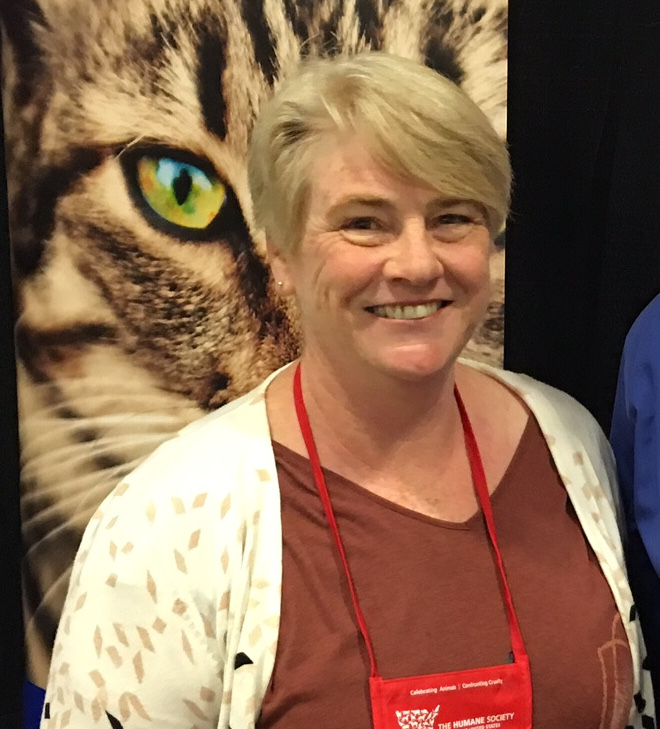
{"x": 172, "y": 615}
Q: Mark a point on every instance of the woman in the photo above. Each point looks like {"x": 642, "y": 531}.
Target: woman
{"x": 324, "y": 551}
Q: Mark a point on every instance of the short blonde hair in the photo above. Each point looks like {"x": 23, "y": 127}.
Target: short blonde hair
{"x": 415, "y": 122}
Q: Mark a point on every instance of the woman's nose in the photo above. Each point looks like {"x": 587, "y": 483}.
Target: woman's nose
{"x": 414, "y": 257}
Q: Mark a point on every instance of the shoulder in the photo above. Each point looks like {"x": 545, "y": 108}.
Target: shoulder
{"x": 578, "y": 446}
{"x": 647, "y": 322}
{"x": 573, "y": 435}
{"x": 206, "y": 481}
{"x": 641, "y": 350}
{"x": 208, "y": 452}
{"x": 547, "y": 403}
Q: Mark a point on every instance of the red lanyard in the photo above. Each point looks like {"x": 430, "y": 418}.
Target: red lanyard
{"x": 480, "y": 485}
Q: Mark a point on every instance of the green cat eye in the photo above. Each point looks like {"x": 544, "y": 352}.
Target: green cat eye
{"x": 180, "y": 193}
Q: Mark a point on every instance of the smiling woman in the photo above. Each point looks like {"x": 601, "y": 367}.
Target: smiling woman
{"x": 389, "y": 275}
{"x": 378, "y": 519}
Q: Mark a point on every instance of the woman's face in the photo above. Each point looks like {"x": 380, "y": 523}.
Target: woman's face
{"x": 389, "y": 276}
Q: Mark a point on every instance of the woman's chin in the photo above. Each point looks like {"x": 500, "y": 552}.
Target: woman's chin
{"x": 416, "y": 364}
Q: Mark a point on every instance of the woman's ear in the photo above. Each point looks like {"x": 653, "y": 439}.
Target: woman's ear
{"x": 280, "y": 269}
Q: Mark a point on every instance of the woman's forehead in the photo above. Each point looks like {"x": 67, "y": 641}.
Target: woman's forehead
{"x": 350, "y": 175}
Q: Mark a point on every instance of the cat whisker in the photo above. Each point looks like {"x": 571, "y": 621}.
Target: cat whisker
{"x": 94, "y": 449}
{"x": 86, "y": 483}
{"x": 133, "y": 143}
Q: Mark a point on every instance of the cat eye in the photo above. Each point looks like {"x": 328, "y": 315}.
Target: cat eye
{"x": 179, "y": 192}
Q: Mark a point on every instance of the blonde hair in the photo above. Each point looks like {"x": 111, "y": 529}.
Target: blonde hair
{"x": 415, "y": 122}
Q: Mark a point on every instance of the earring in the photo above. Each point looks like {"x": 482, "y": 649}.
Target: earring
{"x": 279, "y": 283}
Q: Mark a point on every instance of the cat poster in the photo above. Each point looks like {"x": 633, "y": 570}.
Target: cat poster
{"x": 140, "y": 308}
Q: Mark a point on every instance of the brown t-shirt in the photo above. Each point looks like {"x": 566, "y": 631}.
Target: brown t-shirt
{"x": 430, "y": 596}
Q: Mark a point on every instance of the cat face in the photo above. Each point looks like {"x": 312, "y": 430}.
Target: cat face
{"x": 111, "y": 247}
{"x": 143, "y": 294}
{"x": 121, "y": 253}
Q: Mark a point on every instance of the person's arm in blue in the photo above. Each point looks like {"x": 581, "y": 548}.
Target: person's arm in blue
{"x": 635, "y": 438}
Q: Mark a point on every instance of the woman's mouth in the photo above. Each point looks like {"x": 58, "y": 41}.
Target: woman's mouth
{"x": 407, "y": 311}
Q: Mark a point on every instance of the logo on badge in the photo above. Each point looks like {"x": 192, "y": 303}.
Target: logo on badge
{"x": 418, "y": 718}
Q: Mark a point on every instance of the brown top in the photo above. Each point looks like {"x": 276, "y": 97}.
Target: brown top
{"x": 429, "y": 592}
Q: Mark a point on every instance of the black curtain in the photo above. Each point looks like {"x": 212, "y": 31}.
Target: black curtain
{"x": 583, "y": 244}
{"x": 11, "y": 624}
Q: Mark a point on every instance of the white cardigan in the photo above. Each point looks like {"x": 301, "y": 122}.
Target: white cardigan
{"x": 173, "y": 610}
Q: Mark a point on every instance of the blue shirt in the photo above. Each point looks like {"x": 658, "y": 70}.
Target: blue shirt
{"x": 635, "y": 434}
{"x": 635, "y": 439}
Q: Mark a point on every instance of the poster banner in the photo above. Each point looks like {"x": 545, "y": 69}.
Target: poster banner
{"x": 143, "y": 295}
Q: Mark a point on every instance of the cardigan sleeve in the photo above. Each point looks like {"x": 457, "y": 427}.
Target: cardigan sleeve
{"x": 142, "y": 638}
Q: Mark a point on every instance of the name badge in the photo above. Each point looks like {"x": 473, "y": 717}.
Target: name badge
{"x": 497, "y": 697}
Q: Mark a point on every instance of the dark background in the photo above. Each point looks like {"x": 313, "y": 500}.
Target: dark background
{"x": 583, "y": 243}
{"x": 11, "y": 625}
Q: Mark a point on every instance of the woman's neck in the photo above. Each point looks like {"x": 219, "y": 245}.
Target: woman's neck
{"x": 368, "y": 421}
{"x": 403, "y": 440}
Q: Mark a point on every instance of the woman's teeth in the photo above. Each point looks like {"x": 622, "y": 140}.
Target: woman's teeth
{"x": 417, "y": 311}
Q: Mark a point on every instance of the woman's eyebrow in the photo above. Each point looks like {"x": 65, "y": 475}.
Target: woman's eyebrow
{"x": 369, "y": 201}
{"x": 445, "y": 202}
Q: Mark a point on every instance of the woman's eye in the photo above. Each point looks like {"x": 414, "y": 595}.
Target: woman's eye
{"x": 453, "y": 227}
{"x": 453, "y": 219}
{"x": 179, "y": 192}
{"x": 362, "y": 224}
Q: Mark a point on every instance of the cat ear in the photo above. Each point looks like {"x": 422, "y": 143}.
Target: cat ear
{"x": 22, "y": 22}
